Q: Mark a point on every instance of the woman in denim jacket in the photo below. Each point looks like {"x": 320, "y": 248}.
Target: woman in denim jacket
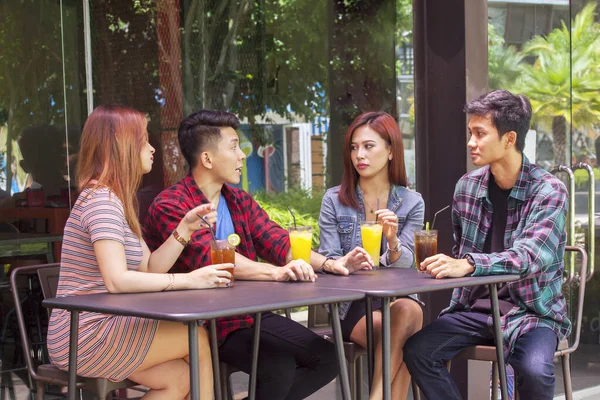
{"x": 374, "y": 187}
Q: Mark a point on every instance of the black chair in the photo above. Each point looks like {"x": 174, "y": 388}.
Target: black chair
{"x": 563, "y": 351}
{"x": 48, "y": 373}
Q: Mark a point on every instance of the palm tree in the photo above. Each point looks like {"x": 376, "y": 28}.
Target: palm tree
{"x": 504, "y": 62}
{"x": 564, "y": 81}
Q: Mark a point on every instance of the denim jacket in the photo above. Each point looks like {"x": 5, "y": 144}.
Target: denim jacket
{"x": 340, "y": 227}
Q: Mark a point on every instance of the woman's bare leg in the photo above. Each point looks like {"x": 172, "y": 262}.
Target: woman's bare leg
{"x": 406, "y": 319}
{"x": 170, "y": 343}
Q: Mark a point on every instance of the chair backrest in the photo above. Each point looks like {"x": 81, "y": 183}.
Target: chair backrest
{"x": 49, "y": 279}
{"x": 25, "y": 342}
{"x": 318, "y": 317}
{"x": 581, "y": 279}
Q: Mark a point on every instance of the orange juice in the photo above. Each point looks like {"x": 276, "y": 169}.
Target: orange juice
{"x": 301, "y": 242}
{"x": 371, "y": 240}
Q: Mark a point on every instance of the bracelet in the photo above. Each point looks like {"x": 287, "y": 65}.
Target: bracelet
{"x": 180, "y": 239}
{"x": 322, "y": 267}
{"x": 171, "y": 283}
{"x": 396, "y": 250}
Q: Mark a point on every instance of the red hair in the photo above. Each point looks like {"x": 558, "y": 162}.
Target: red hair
{"x": 112, "y": 140}
{"x": 387, "y": 128}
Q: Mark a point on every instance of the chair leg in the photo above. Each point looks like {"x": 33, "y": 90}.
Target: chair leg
{"x": 352, "y": 378}
{"x": 40, "y": 390}
{"x": 358, "y": 378}
{"x": 495, "y": 377}
{"x": 415, "y": 390}
{"x": 225, "y": 376}
{"x": 566, "y": 367}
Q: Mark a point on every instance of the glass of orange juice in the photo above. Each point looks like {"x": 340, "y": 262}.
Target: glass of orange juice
{"x": 301, "y": 242}
{"x": 371, "y": 240}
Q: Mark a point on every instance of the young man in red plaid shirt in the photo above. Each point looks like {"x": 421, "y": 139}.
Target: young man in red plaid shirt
{"x": 293, "y": 361}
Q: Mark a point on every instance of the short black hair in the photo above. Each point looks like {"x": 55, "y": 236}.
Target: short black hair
{"x": 201, "y": 130}
{"x": 507, "y": 111}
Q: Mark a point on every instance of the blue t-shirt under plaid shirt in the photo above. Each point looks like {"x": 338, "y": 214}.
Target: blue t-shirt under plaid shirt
{"x": 534, "y": 240}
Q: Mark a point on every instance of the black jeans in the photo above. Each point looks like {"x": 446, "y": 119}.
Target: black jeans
{"x": 293, "y": 362}
{"x": 426, "y": 351}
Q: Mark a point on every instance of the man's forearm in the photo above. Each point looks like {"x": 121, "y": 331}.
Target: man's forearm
{"x": 246, "y": 269}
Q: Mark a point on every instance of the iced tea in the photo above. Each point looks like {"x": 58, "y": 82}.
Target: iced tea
{"x": 425, "y": 246}
{"x": 222, "y": 252}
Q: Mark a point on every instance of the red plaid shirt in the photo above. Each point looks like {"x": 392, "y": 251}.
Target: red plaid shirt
{"x": 260, "y": 237}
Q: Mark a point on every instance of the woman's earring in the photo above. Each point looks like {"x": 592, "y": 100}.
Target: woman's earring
{"x": 390, "y": 158}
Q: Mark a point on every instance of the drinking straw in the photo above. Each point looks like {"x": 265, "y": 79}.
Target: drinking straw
{"x": 293, "y": 216}
{"x": 209, "y": 227}
{"x": 435, "y": 215}
{"x": 377, "y": 216}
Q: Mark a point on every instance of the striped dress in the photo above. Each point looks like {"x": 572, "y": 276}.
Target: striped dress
{"x": 110, "y": 347}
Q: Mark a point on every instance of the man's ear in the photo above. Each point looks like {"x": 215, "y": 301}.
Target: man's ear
{"x": 205, "y": 159}
{"x": 511, "y": 138}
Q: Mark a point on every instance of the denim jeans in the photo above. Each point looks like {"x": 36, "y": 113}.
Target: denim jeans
{"x": 427, "y": 350}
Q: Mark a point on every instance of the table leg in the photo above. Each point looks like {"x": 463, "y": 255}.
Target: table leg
{"x": 255, "y": 344}
{"x": 194, "y": 371}
{"x": 339, "y": 347}
{"x": 73, "y": 355}
{"x": 499, "y": 343}
{"x": 214, "y": 351}
{"x": 385, "y": 348}
{"x": 370, "y": 349}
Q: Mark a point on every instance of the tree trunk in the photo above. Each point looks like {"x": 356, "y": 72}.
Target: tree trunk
{"x": 559, "y": 140}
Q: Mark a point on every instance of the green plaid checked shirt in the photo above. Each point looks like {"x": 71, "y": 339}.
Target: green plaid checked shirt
{"x": 534, "y": 243}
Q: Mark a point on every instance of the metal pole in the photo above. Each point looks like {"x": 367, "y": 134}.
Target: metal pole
{"x": 87, "y": 42}
{"x": 370, "y": 348}
{"x": 591, "y": 216}
{"x": 499, "y": 341}
{"x": 255, "y": 344}
{"x": 385, "y": 349}
{"x": 339, "y": 347}
{"x": 73, "y": 354}
{"x": 194, "y": 372}
{"x": 214, "y": 350}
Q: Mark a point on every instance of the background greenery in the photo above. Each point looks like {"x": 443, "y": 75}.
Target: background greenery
{"x": 305, "y": 205}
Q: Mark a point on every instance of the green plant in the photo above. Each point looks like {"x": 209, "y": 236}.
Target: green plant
{"x": 305, "y": 205}
{"x": 564, "y": 80}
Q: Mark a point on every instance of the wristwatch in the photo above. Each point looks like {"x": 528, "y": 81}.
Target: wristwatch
{"x": 470, "y": 259}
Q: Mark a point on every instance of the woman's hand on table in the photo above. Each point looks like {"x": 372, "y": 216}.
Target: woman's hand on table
{"x": 355, "y": 260}
{"x": 389, "y": 222}
{"x": 210, "y": 276}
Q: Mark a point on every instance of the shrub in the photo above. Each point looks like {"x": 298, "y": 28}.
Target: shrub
{"x": 305, "y": 205}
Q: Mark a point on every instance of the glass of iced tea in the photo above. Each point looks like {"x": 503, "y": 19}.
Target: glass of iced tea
{"x": 425, "y": 245}
{"x": 222, "y": 252}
